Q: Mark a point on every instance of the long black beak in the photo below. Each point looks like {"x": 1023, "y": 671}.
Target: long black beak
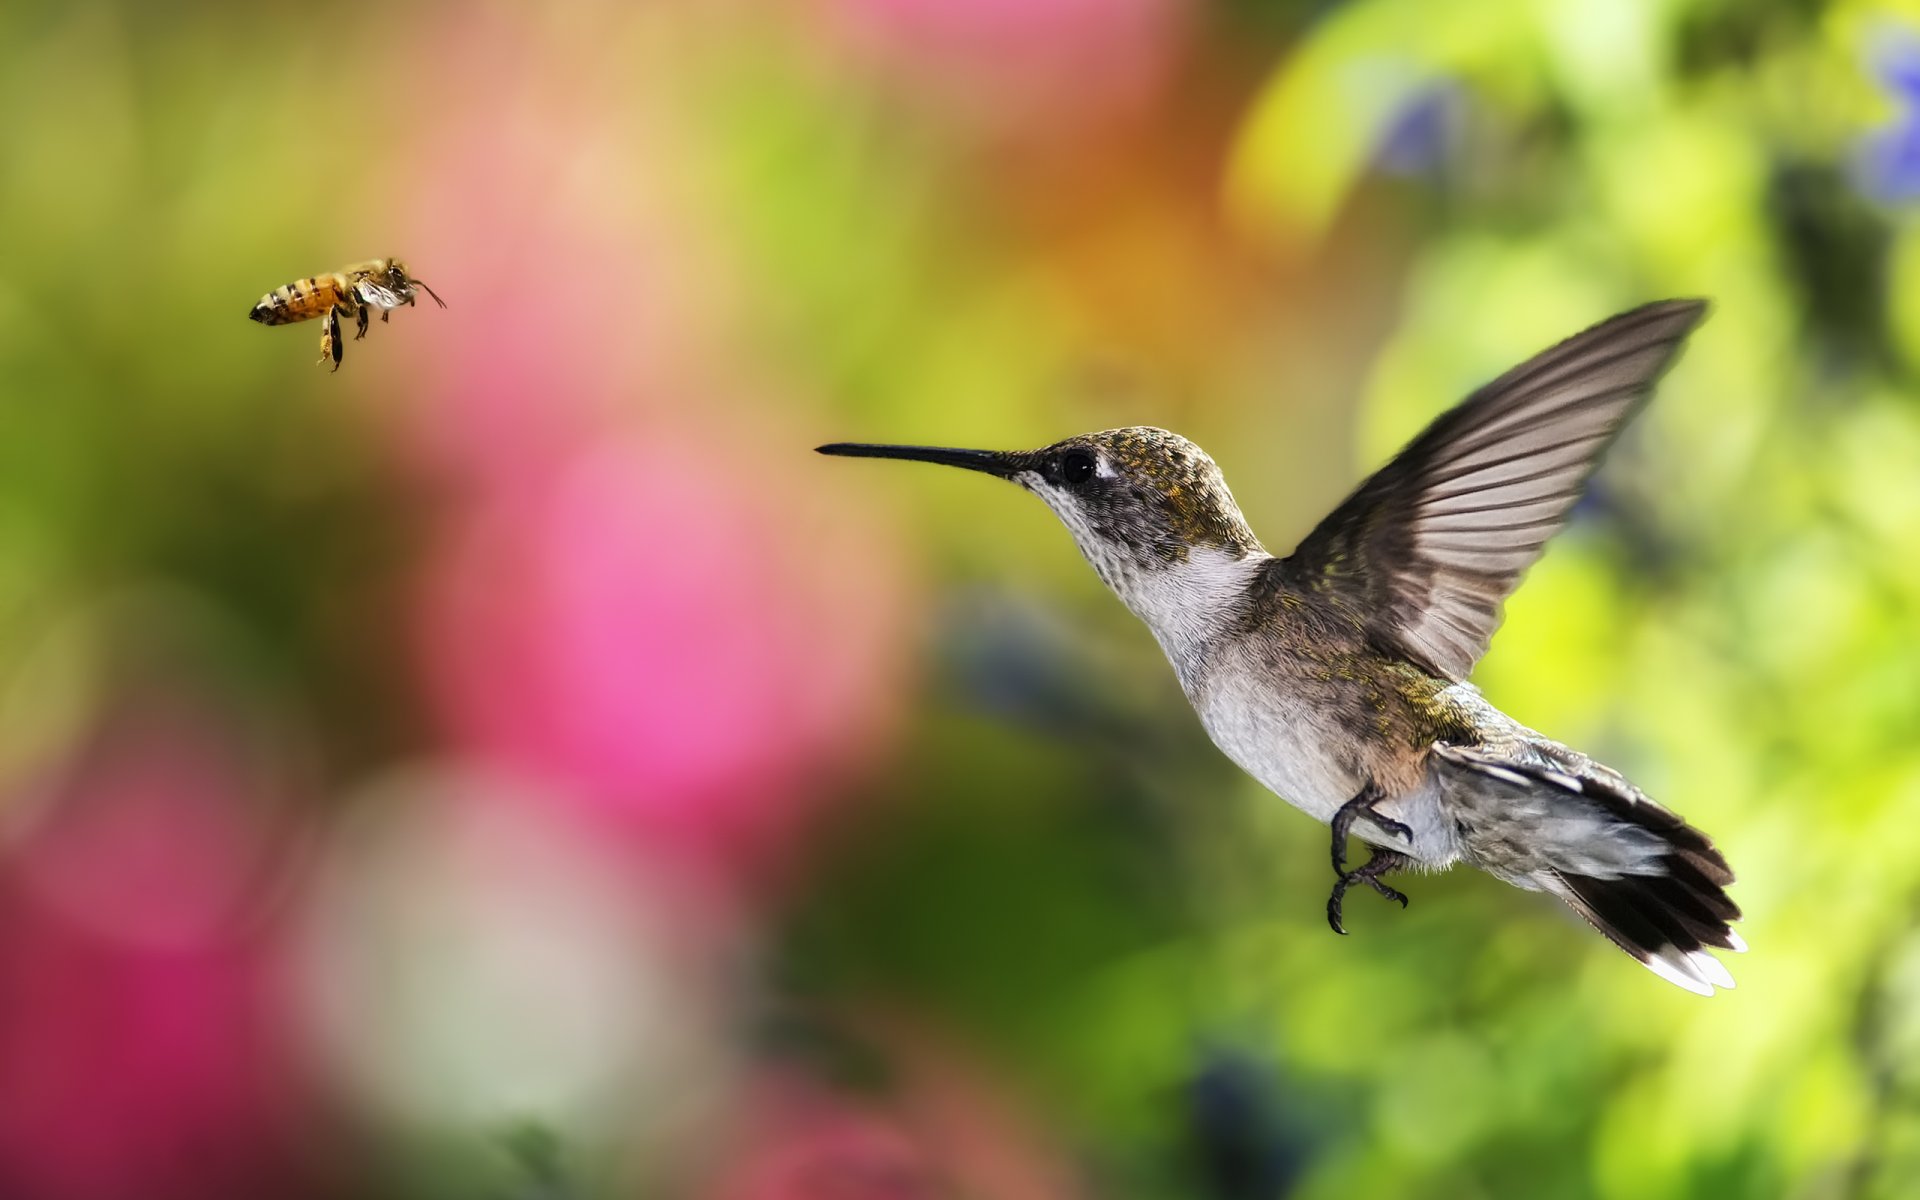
{"x": 993, "y": 462}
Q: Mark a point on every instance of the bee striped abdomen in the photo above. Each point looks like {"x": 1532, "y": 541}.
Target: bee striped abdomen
{"x": 300, "y": 300}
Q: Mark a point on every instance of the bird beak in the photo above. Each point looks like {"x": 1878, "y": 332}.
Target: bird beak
{"x": 993, "y": 462}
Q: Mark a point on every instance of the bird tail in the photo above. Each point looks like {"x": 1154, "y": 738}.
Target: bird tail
{"x": 1636, "y": 871}
{"x": 1668, "y": 922}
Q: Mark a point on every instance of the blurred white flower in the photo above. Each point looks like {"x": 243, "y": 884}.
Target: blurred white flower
{"x": 475, "y": 958}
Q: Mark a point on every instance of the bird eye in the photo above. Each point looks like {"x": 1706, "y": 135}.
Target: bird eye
{"x": 1076, "y": 466}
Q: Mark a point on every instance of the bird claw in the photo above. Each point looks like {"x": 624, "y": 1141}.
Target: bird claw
{"x": 1362, "y": 805}
{"x": 1379, "y": 864}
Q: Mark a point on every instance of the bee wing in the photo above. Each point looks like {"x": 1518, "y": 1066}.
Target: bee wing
{"x": 1432, "y": 544}
{"x": 378, "y": 295}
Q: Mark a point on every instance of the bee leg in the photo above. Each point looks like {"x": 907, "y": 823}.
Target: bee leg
{"x": 332, "y": 345}
{"x": 360, "y": 323}
{"x": 384, "y": 314}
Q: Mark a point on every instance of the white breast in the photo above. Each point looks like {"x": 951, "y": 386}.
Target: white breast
{"x": 1284, "y": 748}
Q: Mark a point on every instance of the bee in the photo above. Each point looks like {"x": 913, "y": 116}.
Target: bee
{"x": 381, "y": 285}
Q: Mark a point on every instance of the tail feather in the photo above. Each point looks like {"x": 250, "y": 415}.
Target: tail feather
{"x": 1713, "y": 910}
{"x": 1682, "y": 909}
{"x": 1667, "y": 921}
{"x": 1637, "y": 872}
{"x": 1659, "y": 920}
{"x": 1706, "y": 863}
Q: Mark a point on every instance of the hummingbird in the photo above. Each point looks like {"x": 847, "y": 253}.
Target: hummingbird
{"x": 1337, "y": 676}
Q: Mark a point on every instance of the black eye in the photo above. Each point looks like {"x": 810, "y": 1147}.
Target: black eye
{"x": 1076, "y": 466}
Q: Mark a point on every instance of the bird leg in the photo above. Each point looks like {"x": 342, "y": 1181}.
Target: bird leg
{"x": 1369, "y": 874}
{"x": 1362, "y": 806}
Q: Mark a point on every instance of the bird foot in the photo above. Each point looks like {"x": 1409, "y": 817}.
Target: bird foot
{"x": 1362, "y": 806}
{"x": 1369, "y": 874}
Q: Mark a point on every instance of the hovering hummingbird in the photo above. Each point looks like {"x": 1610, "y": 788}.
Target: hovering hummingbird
{"x": 1337, "y": 676}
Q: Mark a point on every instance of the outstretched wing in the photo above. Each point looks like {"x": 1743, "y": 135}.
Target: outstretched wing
{"x": 1428, "y": 548}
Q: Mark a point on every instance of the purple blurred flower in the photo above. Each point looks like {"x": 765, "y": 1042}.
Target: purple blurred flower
{"x": 1420, "y": 136}
{"x": 1244, "y": 1141}
{"x": 1887, "y": 161}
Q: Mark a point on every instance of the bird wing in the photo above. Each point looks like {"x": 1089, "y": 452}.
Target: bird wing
{"x": 1428, "y": 548}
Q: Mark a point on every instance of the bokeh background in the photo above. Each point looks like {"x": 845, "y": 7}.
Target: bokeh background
{"x": 515, "y": 767}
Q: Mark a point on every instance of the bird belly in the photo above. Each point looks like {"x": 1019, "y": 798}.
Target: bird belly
{"x": 1295, "y": 751}
{"x": 1284, "y": 751}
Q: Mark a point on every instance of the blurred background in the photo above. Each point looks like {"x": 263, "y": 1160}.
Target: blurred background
{"x": 516, "y": 768}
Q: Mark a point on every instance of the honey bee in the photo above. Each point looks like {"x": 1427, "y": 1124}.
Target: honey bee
{"x": 380, "y": 285}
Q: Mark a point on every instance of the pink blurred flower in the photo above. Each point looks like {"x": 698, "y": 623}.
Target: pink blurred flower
{"x": 1060, "y": 60}
{"x": 944, "y": 1127}
{"x": 674, "y": 629}
{"x": 635, "y": 593}
{"x": 132, "y": 1073}
{"x": 560, "y": 210}
{"x": 810, "y": 1145}
{"x": 162, "y": 827}
{"x": 140, "y": 1053}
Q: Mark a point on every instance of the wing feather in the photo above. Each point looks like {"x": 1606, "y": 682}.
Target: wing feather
{"x": 1430, "y": 546}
